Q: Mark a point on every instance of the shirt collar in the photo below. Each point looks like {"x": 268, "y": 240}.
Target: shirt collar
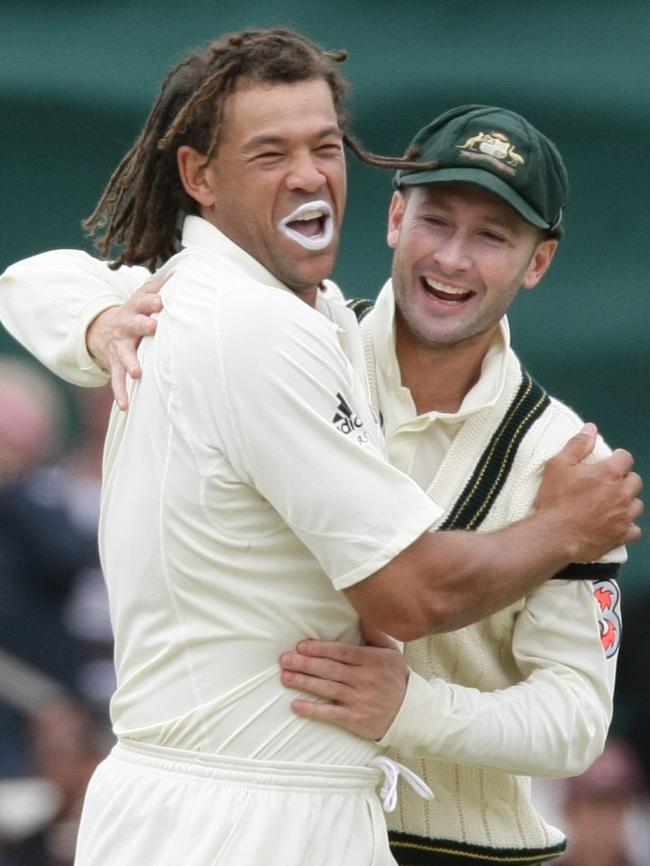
{"x": 482, "y": 395}
{"x": 201, "y": 234}
{"x": 198, "y": 233}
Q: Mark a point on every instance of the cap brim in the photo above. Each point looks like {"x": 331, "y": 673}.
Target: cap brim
{"x": 485, "y": 179}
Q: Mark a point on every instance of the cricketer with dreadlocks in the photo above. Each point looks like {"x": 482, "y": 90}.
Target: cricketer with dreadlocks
{"x": 247, "y": 501}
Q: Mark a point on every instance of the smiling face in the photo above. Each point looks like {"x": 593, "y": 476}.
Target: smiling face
{"x": 277, "y": 184}
{"x": 461, "y": 256}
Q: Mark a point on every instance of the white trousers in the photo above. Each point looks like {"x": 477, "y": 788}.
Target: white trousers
{"x": 153, "y": 806}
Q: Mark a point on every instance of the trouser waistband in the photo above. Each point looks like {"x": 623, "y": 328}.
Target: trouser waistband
{"x": 246, "y": 770}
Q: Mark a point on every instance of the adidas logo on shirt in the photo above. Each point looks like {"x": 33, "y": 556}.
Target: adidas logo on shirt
{"x": 344, "y": 418}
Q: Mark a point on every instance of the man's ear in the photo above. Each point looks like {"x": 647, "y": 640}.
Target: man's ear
{"x": 195, "y": 176}
{"x": 395, "y": 214}
{"x": 540, "y": 262}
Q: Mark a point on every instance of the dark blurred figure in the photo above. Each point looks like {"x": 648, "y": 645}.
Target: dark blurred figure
{"x": 633, "y": 695}
{"x": 75, "y": 481}
{"x": 54, "y": 631}
{"x": 606, "y": 813}
{"x": 66, "y": 745}
{"x": 40, "y": 553}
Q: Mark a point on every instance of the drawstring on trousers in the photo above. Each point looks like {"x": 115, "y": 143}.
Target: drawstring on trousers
{"x": 392, "y": 770}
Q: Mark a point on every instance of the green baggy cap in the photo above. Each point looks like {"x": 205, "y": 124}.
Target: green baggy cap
{"x": 496, "y": 149}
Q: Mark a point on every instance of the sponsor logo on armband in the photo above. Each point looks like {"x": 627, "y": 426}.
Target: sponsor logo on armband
{"x": 608, "y": 597}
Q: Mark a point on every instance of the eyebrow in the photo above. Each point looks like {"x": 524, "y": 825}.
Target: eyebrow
{"x": 270, "y": 140}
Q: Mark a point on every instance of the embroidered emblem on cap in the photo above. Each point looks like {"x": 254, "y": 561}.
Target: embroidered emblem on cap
{"x": 496, "y": 148}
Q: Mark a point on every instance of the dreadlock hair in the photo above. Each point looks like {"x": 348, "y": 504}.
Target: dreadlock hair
{"x": 143, "y": 204}
{"x": 144, "y": 201}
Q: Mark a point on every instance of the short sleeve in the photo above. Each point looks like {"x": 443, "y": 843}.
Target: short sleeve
{"x": 304, "y": 435}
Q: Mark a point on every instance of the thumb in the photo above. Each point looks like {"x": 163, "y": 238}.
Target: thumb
{"x": 375, "y": 637}
{"x": 581, "y": 445}
{"x": 156, "y": 284}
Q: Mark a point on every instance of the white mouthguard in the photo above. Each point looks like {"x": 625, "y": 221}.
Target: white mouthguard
{"x": 309, "y": 211}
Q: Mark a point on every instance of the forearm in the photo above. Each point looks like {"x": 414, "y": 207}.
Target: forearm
{"x": 552, "y": 723}
{"x": 48, "y": 301}
{"x": 451, "y": 579}
{"x": 485, "y": 572}
{"x": 550, "y": 726}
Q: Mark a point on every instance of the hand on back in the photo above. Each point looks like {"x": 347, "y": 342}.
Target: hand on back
{"x": 114, "y": 335}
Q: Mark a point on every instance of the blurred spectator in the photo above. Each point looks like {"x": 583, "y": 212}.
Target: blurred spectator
{"x": 604, "y": 812}
{"x": 75, "y": 482}
{"x": 55, "y": 640}
{"x": 633, "y": 699}
{"x": 39, "y": 553}
{"x": 30, "y": 421}
{"x": 40, "y": 817}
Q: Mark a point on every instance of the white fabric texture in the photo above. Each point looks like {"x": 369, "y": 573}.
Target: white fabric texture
{"x": 268, "y": 813}
{"x": 233, "y": 504}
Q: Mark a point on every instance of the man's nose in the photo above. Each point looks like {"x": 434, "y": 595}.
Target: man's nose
{"x": 305, "y": 174}
{"x": 452, "y": 255}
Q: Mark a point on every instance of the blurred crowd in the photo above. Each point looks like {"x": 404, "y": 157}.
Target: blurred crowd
{"x": 56, "y": 673}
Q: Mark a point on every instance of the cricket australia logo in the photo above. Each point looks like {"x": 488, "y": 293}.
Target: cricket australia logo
{"x": 495, "y": 147}
{"x": 347, "y": 421}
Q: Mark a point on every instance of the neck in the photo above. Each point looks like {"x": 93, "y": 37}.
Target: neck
{"x": 307, "y": 295}
{"x": 439, "y": 377}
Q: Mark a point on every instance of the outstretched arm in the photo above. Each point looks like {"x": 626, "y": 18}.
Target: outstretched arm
{"x": 48, "y": 301}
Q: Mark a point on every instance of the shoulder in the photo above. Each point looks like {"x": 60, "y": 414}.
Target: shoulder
{"x": 216, "y": 298}
{"x": 552, "y": 430}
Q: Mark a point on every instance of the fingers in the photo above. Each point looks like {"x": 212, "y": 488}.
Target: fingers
{"x": 348, "y": 654}
{"x": 620, "y": 461}
{"x": 118, "y": 386}
{"x": 129, "y": 326}
{"x": 580, "y": 446}
{"x": 296, "y": 664}
{"x": 633, "y": 483}
{"x": 331, "y": 713}
{"x": 145, "y": 303}
{"x": 637, "y": 509}
{"x": 633, "y": 534}
{"x": 156, "y": 284}
{"x": 327, "y": 689}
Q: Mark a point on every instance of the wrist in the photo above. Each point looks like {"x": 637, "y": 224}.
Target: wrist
{"x": 97, "y": 333}
{"x": 556, "y": 536}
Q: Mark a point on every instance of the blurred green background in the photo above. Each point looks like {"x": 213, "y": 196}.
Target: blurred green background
{"x": 77, "y": 80}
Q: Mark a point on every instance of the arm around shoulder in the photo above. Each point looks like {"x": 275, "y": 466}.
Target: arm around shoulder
{"x": 47, "y": 302}
{"x": 449, "y": 579}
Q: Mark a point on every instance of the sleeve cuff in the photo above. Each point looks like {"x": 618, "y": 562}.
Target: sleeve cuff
{"x": 414, "y": 719}
{"x": 86, "y": 363}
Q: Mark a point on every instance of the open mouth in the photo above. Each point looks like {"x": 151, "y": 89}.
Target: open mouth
{"x": 446, "y": 294}
{"x": 311, "y": 225}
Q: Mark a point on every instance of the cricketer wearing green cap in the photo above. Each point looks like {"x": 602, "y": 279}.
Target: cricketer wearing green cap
{"x": 528, "y": 691}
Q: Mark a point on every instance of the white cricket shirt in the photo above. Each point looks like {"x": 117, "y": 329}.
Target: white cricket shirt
{"x": 245, "y": 486}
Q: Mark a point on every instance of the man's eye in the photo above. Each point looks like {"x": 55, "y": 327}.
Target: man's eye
{"x": 493, "y": 237}
{"x": 332, "y": 149}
